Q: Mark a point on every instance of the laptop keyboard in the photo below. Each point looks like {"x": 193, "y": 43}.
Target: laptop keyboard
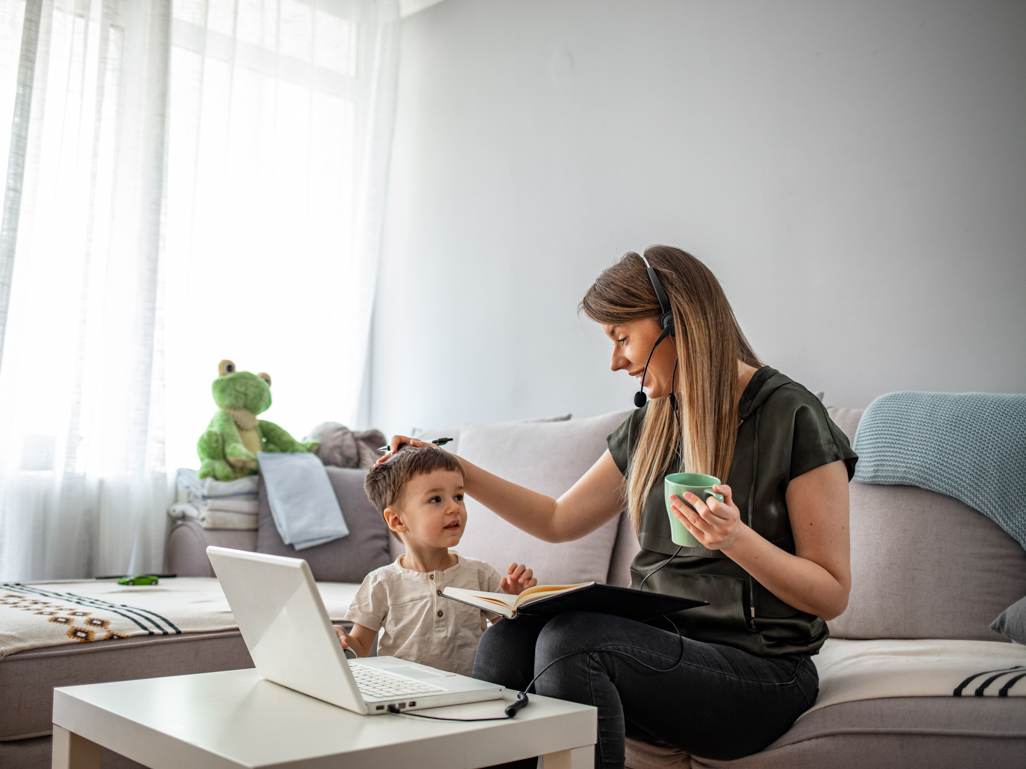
{"x": 378, "y": 685}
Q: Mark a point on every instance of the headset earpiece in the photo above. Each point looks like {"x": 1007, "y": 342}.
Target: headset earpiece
{"x": 666, "y": 322}
{"x": 665, "y": 310}
{"x": 666, "y": 326}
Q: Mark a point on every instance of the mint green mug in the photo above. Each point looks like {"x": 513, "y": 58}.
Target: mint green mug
{"x": 678, "y": 484}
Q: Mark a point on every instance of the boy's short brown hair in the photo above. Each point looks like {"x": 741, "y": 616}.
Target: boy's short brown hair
{"x": 385, "y": 482}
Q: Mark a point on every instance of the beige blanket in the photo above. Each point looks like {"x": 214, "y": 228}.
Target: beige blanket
{"x": 866, "y": 670}
{"x": 52, "y": 613}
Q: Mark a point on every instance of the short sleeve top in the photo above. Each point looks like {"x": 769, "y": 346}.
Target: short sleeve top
{"x": 784, "y": 432}
{"x": 416, "y": 622}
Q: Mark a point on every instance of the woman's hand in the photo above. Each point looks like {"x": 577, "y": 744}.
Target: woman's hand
{"x": 397, "y": 441}
{"x": 518, "y": 578}
{"x": 715, "y": 524}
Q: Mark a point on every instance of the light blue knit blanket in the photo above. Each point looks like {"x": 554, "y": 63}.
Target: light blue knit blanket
{"x": 970, "y": 446}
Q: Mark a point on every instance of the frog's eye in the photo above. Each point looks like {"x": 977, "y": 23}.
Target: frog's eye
{"x": 226, "y": 367}
{"x": 265, "y": 377}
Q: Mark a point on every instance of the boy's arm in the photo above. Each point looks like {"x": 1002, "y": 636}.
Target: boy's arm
{"x": 367, "y": 612}
{"x": 359, "y": 640}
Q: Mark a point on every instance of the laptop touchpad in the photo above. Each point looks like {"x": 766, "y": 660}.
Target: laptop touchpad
{"x": 410, "y": 672}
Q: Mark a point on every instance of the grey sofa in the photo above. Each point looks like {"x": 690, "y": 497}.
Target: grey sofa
{"x": 924, "y": 566}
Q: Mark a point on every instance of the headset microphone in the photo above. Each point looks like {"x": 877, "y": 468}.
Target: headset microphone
{"x": 639, "y": 396}
{"x": 665, "y": 323}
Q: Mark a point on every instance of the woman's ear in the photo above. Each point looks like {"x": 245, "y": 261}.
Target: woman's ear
{"x": 395, "y": 523}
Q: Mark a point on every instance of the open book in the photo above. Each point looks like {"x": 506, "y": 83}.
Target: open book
{"x": 549, "y": 600}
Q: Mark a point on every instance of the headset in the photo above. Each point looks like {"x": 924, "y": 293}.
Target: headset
{"x": 667, "y": 326}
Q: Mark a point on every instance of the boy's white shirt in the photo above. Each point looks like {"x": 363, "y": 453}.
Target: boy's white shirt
{"x": 416, "y": 622}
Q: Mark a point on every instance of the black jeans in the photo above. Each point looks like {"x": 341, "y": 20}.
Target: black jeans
{"x": 718, "y": 702}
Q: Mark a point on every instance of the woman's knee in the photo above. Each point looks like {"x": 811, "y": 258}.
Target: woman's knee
{"x": 574, "y": 632}
{"x": 505, "y": 654}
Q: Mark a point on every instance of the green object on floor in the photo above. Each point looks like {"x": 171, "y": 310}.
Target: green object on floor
{"x": 139, "y": 579}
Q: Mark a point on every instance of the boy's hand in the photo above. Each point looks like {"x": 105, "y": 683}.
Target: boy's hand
{"x": 518, "y": 578}
{"x": 359, "y": 640}
{"x": 343, "y": 636}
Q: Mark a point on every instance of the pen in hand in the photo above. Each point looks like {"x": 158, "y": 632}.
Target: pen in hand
{"x": 436, "y": 441}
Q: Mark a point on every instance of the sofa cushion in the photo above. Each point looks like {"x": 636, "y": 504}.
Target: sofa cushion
{"x": 935, "y": 732}
{"x": 27, "y": 678}
{"x": 434, "y": 433}
{"x": 187, "y": 542}
{"x": 926, "y": 566}
{"x": 847, "y": 420}
{"x": 548, "y": 457}
{"x": 348, "y": 559}
{"x": 923, "y": 565}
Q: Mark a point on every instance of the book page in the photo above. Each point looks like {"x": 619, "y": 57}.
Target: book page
{"x": 538, "y": 592}
{"x": 503, "y": 603}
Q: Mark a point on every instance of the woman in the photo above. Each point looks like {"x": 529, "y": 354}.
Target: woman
{"x": 773, "y": 559}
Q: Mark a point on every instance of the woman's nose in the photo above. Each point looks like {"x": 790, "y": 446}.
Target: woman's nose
{"x": 618, "y": 361}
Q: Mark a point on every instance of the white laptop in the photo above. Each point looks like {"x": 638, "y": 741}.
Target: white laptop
{"x": 287, "y": 631}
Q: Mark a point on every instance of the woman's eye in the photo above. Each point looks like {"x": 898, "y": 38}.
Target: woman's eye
{"x": 622, "y": 341}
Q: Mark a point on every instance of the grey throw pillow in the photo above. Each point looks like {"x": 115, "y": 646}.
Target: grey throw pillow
{"x": 1011, "y": 623}
{"x": 341, "y": 447}
{"x": 348, "y": 559}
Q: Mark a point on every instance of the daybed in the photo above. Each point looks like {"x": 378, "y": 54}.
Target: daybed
{"x": 929, "y": 576}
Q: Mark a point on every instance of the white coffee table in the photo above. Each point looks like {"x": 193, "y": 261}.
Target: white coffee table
{"x": 236, "y": 719}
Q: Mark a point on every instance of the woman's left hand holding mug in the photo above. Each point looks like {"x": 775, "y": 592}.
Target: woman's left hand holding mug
{"x": 713, "y": 523}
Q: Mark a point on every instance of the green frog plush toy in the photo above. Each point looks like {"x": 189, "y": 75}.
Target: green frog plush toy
{"x": 228, "y": 448}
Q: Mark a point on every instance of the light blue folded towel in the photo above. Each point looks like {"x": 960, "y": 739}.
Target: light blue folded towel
{"x": 303, "y": 503}
{"x": 970, "y": 446}
{"x": 201, "y": 490}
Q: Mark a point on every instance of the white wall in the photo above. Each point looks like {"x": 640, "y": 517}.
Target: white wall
{"x": 854, "y": 173}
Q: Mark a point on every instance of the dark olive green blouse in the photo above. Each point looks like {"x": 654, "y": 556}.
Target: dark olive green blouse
{"x": 784, "y": 431}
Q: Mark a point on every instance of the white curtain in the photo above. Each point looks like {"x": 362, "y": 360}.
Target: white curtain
{"x": 186, "y": 180}
{"x": 281, "y": 118}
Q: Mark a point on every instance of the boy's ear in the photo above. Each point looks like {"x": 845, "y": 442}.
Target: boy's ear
{"x": 393, "y": 520}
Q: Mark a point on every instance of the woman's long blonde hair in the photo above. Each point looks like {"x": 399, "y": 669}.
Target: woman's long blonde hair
{"x": 709, "y": 345}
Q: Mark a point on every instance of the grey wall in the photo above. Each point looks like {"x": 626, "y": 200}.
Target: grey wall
{"x": 854, "y": 172}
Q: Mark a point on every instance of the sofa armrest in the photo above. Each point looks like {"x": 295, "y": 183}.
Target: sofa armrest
{"x": 186, "y": 548}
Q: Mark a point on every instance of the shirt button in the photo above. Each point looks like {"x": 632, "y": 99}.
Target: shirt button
{"x": 431, "y": 576}
{"x": 440, "y": 612}
{"x": 439, "y": 592}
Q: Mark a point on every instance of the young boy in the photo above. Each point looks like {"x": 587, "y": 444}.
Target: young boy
{"x": 419, "y": 491}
